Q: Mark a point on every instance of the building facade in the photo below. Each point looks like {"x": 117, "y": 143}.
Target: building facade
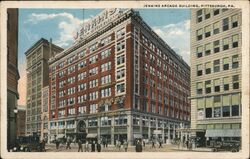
{"x": 21, "y": 119}
{"x": 216, "y": 72}
{"x": 12, "y": 75}
{"x": 37, "y": 78}
{"x": 45, "y": 114}
{"x": 118, "y": 81}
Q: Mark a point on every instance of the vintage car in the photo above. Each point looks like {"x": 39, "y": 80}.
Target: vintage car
{"x": 233, "y": 146}
{"x": 27, "y": 144}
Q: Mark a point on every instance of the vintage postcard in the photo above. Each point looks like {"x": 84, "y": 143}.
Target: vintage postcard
{"x": 128, "y": 79}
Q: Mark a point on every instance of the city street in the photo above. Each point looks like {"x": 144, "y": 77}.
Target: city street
{"x": 111, "y": 148}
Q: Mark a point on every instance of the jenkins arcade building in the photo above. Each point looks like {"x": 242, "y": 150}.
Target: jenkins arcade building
{"x": 118, "y": 81}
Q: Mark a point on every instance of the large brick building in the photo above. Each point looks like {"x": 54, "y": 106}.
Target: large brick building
{"x": 118, "y": 81}
{"x": 12, "y": 75}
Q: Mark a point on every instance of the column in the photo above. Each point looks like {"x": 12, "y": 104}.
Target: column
{"x": 169, "y": 140}
{"x": 174, "y": 131}
{"x": 141, "y": 125}
{"x": 149, "y": 128}
{"x": 130, "y": 129}
{"x": 112, "y": 130}
{"x": 98, "y": 129}
{"x": 163, "y": 133}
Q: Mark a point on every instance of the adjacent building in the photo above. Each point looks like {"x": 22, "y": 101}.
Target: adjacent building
{"x": 12, "y": 75}
{"x": 21, "y": 118}
{"x": 216, "y": 73}
{"x": 37, "y": 78}
{"x": 118, "y": 81}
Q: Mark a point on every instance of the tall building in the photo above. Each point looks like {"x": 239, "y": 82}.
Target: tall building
{"x": 45, "y": 114}
{"x": 118, "y": 81}
{"x": 12, "y": 75}
{"x": 37, "y": 78}
{"x": 216, "y": 72}
{"x": 21, "y": 118}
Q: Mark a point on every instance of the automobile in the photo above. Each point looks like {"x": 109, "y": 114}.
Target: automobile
{"x": 233, "y": 146}
{"x": 27, "y": 144}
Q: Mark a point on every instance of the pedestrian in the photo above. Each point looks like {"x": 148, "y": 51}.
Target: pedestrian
{"x": 98, "y": 147}
{"x": 125, "y": 145}
{"x": 68, "y": 143}
{"x": 93, "y": 146}
{"x": 103, "y": 142}
{"x": 138, "y": 146}
{"x": 144, "y": 144}
{"x": 80, "y": 145}
{"x": 87, "y": 146}
{"x": 187, "y": 143}
{"x": 119, "y": 145}
{"x": 43, "y": 145}
{"x": 160, "y": 143}
{"x": 106, "y": 142}
{"x": 57, "y": 144}
{"x": 153, "y": 144}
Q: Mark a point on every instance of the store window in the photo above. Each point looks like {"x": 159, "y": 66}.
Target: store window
{"x": 208, "y": 112}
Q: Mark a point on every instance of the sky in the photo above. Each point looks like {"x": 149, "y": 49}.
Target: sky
{"x": 172, "y": 25}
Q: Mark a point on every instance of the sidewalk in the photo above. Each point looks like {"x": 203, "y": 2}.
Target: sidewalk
{"x": 199, "y": 149}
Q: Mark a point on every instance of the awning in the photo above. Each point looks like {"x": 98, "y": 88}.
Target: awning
{"x": 137, "y": 136}
{"x": 91, "y": 136}
{"x": 223, "y": 133}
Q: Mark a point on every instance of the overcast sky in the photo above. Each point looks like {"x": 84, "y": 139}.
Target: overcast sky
{"x": 173, "y": 25}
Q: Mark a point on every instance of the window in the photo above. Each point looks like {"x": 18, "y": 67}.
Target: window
{"x": 199, "y": 34}
{"x": 71, "y": 80}
{"x": 120, "y": 46}
{"x": 105, "y": 107}
{"x": 93, "y": 47}
{"x": 225, "y": 63}
{"x": 120, "y": 88}
{"x": 199, "y": 51}
{"x": 217, "y": 85}
{"x": 71, "y": 90}
{"x": 82, "y": 98}
{"x": 235, "y": 105}
{"x": 199, "y": 70}
{"x": 208, "y": 112}
{"x": 235, "y": 40}
{"x": 216, "y": 65}
{"x": 236, "y": 82}
{"x": 71, "y": 111}
{"x": 61, "y": 113}
{"x": 207, "y": 13}
{"x": 216, "y": 46}
{"x": 61, "y": 124}
{"x": 93, "y": 95}
{"x": 120, "y": 73}
{"x": 105, "y": 41}
{"x": 71, "y": 101}
{"x": 199, "y": 87}
{"x": 92, "y": 122}
{"x": 226, "y": 83}
{"x": 216, "y": 27}
{"x": 105, "y": 53}
{"x": 217, "y": 112}
{"x": 93, "y": 59}
{"x": 216, "y": 12}
{"x": 81, "y": 64}
{"x": 225, "y": 43}
{"x": 208, "y": 67}
{"x": 225, "y": 24}
{"x": 235, "y": 61}
{"x": 121, "y": 120}
{"x": 208, "y": 86}
{"x": 207, "y": 31}
{"x": 93, "y": 83}
{"x": 120, "y": 59}
{"x": 105, "y": 92}
{"x": 82, "y": 110}
{"x": 93, "y": 71}
{"x": 199, "y": 15}
{"x": 225, "y": 111}
{"x": 106, "y": 79}
{"x": 106, "y": 66}
{"x": 217, "y": 101}
{"x": 81, "y": 76}
{"x": 208, "y": 49}
{"x": 82, "y": 87}
{"x": 105, "y": 121}
{"x": 120, "y": 33}
{"x": 234, "y": 20}
{"x": 93, "y": 108}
